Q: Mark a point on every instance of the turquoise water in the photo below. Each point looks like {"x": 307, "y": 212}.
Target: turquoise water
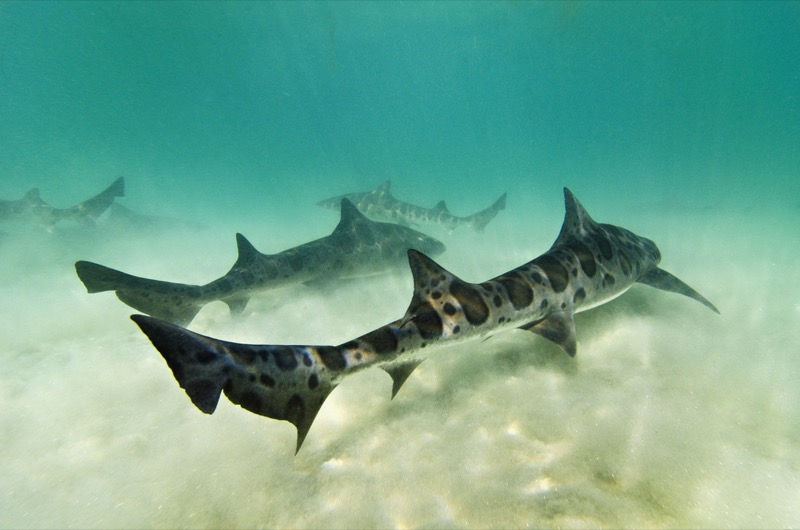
{"x": 679, "y": 121}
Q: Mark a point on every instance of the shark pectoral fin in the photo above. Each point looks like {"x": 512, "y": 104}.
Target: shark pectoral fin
{"x": 236, "y": 304}
{"x": 558, "y": 327}
{"x": 400, "y": 373}
{"x": 661, "y": 279}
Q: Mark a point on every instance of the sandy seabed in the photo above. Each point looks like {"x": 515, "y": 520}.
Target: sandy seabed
{"x": 669, "y": 416}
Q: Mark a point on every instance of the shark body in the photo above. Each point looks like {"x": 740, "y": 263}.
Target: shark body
{"x": 32, "y": 208}
{"x": 356, "y": 247}
{"x": 588, "y": 265}
{"x": 380, "y": 205}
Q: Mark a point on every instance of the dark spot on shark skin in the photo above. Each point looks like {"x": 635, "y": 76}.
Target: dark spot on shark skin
{"x": 544, "y": 305}
{"x": 307, "y": 359}
{"x": 313, "y": 381}
{"x": 497, "y": 301}
{"x": 625, "y": 264}
{"x": 585, "y": 257}
{"x": 428, "y": 322}
{"x": 285, "y": 358}
{"x": 471, "y": 302}
{"x": 436, "y": 295}
{"x": 449, "y": 309}
{"x": 456, "y": 329}
{"x": 266, "y": 380}
{"x": 245, "y": 355}
{"x": 295, "y": 410}
{"x": 332, "y": 357}
{"x": 205, "y": 357}
{"x": 251, "y": 401}
{"x": 251, "y": 378}
{"x": 579, "y": 296}
{"x": 555, "y": 272}
{"x": 536, "y": 277}
{"x": 605, "y": 246}
{"x": 382, "y": 340}
{"x": 519, "y": 292}
{"x": 609, "y": 280}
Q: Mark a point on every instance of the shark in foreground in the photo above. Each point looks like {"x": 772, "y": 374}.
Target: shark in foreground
{"x": 380, "y": 205}
{"x": 588, "y": 265}
{"x": 31, "y": 207}
{"x": 356, "y": 247}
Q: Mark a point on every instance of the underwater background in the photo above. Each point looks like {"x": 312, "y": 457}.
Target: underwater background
{"x": 679, "y": 121}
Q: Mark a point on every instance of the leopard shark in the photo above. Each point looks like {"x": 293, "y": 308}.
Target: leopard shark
{"x": 356, "y": 247}
{"x": 380, "y": 205}
{"x": 32, "y": 207}
{"x": 587, "y": 265}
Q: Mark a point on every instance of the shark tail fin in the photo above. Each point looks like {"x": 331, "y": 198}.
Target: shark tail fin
{"x": 281, "y": 382}
{"x": 481, "y": 219}
{"x": 661, "y": 279}
{"x": 90, "y": 209}
{"x": 176, "y": 302}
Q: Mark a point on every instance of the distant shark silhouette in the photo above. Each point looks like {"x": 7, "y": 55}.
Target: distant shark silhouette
{"x": 380, "y": 205}
{"x": 32, "y": 208}
{"x": 356, "y": 247}
{"x": 588, "y": 265}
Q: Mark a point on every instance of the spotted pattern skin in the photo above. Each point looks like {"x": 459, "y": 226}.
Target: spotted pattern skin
{"x": 380, "y": 205}
{"x": 588, "y": 264}
{"x": 33, "y": 208}
{"x": 356, "y": 247}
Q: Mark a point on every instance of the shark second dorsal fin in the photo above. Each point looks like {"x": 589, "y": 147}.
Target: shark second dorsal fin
{"x": 558, "y": 327}
{"x": 441, "y": 207}
{"x": 386, "y": 186}
{"x": 577, "y": 220}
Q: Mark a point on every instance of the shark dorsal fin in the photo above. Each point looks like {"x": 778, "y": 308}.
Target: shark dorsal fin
{"x": 385, "y": 186}
{"x": 247, "y": 252}
{"x": 441, "y": 207}
{"x": 349, "y": 215}
{"x": 577, "y": 221}
{"x": 32, "y": 195}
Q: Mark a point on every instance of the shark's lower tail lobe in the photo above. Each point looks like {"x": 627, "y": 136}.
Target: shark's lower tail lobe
{"x": 175, "y": 302}
{"x": 279, "y": 382}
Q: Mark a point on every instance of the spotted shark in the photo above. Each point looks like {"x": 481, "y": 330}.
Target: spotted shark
{"x": 380, "y": 205}
{"x": 587, "y": 265}
{"x": 356, "y": 247}
{"x": 32, "y": 207}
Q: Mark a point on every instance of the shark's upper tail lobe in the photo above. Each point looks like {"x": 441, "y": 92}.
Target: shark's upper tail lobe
{"x": 480, "y": 219}
{"x": 174, "y": 302}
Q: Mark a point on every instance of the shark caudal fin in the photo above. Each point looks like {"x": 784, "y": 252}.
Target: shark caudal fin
{"x": 661, "y": 279}
{"x": 281, "y": 382}
{"x": 90, "y": 209}
{"x": 481, "y": 219}
{"x": 175, "y": 302}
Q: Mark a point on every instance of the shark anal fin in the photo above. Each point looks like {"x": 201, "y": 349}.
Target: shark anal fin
{"x": 400, "y": 373}
{"x": 661, "y": 279}
{"x": 236, "y": 304}
{"x": 558, "y": 327}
